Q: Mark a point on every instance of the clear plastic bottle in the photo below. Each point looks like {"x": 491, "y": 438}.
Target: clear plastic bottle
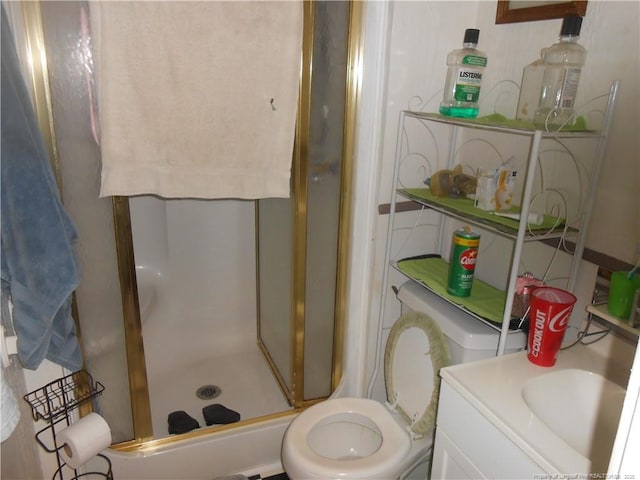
{"x": 464, "y": 78}
{"x": 530, "y": 89}
{"x": 563, "y": 65}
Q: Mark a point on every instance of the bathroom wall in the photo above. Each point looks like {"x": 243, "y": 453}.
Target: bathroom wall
{"x": 415, "y": 38}
{"x": 422, "y": 33}
{"x": 419, "y": 38}
{"x": 196, "y": 260}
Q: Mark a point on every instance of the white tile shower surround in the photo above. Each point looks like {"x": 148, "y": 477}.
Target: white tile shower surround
{"x": 247, "y": 385}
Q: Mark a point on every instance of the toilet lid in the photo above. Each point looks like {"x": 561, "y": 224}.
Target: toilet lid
{"x": 416, "y": 350}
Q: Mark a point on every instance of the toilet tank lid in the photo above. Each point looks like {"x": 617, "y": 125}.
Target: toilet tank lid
{"x": 459, "y": 326}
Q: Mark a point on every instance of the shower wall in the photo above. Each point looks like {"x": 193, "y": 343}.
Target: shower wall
{"x": 195, "y": 263}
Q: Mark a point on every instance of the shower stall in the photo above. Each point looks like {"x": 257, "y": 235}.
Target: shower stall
{"x": 196, "y": 278}
{"x": 185, "y": 303}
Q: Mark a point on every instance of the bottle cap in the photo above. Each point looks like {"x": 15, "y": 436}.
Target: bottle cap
{"x": 571, "y": 26}
{"x": 471, "y": 35}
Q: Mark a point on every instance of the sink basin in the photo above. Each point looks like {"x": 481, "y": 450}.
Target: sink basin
{"x": 580, "y": 407}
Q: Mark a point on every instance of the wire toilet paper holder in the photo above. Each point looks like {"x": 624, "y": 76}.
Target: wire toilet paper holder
{"x": 54, "y": 403}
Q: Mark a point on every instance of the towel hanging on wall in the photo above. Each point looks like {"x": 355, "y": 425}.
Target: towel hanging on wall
{"x": 197, "y": 99}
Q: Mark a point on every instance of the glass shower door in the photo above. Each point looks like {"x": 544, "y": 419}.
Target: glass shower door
{"x": 298, "y": 265}
{"x": 99, "y": 298}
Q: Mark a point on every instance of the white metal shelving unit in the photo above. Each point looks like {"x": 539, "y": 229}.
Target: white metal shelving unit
{"x": 519, "y": 232}
{"x": 628, "y": 326}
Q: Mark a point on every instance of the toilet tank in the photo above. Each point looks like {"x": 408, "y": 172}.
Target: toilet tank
{"x": 469, "y": 339}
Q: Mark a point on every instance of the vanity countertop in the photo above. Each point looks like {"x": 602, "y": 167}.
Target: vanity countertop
{"x": 494, "y": 387}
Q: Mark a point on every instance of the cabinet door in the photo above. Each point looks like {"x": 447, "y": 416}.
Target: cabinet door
{"x": 450, "y": 462}
{"x": 480, "y": 446}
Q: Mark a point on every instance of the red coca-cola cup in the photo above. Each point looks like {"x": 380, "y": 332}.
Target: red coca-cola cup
{"x": 548, "y": 319}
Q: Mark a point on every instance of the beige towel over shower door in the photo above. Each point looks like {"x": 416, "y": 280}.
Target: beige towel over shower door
{"x": 197, "y": 99}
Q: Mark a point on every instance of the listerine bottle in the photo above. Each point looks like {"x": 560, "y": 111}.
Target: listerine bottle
{"x": 464, "y": 77}
{"x": 563, "y": 64}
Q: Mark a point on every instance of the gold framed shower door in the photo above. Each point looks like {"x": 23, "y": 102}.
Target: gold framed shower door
{"x": 138, "y": 385}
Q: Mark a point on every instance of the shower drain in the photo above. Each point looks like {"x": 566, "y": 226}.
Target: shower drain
{"x": 207, "y": 392}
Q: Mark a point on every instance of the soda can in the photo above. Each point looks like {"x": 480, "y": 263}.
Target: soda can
{"x": 462, "y": 261}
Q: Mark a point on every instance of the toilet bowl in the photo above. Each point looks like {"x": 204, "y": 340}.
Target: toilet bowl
{"x": 346, "y": 438}
{"x": 349, "y": 438}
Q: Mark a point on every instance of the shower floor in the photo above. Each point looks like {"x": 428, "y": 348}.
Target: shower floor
{"x": 246, "y": 381}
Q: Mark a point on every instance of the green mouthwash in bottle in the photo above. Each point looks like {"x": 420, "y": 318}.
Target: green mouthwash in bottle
{"x": 464, "y": 76}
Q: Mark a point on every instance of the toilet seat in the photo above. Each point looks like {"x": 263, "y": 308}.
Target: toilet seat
{"x": 411, "y": 374}
{"x": 317, "y": 443}
{"x": 393, "y": 448}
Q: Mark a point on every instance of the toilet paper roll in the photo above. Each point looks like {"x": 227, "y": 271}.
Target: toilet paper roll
{"x": 83, "y": 440}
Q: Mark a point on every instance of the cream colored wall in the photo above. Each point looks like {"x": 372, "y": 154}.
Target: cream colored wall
{"x": 610, "y": 35}
{"x": 422, "y": 33}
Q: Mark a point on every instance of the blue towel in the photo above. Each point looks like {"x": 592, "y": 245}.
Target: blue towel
{"x": 39, "y": 269}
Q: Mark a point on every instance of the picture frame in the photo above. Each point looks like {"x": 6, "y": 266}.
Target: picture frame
{"x": 509, "y": 11}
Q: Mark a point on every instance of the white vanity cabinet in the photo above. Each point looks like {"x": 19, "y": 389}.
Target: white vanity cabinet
{"x": 506, "y": 418}
{"x": 468, "y": 446}
{"x": 557, "y": 177}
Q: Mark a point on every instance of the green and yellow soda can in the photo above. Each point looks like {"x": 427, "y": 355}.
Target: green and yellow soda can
{"x": 462, "y": 261}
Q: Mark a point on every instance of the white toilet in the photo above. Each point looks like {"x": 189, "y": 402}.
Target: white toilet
{"x": 347, "y": 438}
